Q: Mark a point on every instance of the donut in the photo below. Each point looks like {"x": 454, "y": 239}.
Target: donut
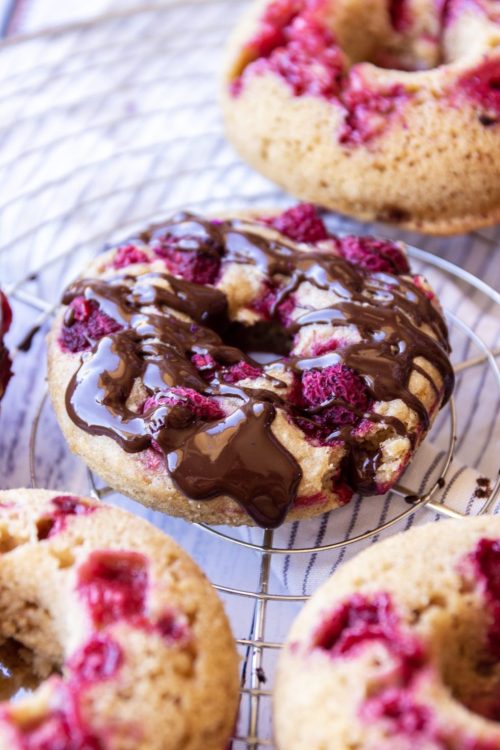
{"x": 5, "y": 360}
{"x": 399, "y": 649}
{"x": 152, "y": 381}
{"x": 384, "y": 110}
{"x": 126, "y": 639}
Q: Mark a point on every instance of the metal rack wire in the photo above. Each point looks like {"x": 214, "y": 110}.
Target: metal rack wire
{"x": 98, "y": 162}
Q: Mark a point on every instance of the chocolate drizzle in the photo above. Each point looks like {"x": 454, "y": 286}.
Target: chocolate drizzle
{"x": 238, "y": 455}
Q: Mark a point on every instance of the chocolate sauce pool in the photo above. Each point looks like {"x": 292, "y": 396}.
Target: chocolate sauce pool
{"x": 238, "y": 455}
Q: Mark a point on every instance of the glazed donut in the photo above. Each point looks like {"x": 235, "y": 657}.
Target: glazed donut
{"x": 5, "y": 361}
{"x": 400, "y": 649}
{"x": 381, "y": 109}
{"x": 128, "y": 640}
{"x": 153, "y": 386}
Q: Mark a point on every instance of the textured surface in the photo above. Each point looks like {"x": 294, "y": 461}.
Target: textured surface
{"x": 145, "y": 649}
{"x": 300, "y": 424}
{"x": 391, "y": 651}
{"x": 413, "y": 145}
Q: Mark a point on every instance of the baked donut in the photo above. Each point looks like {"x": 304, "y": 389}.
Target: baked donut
{"x": 381, "y": 109}
{"x": 5, "y": 361}
{"x": 400, "y": 649}
{"x": 128, "y": 640}
{"x": 153, "y": 386}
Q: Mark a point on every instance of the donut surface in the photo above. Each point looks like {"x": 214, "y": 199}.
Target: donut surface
{"x": 152, "y": 383}
{"x": 381, "y": 109}
{"x": 128, "y": 640}
{"x": 5, "y": 361}
{"x": 400, "y": 649}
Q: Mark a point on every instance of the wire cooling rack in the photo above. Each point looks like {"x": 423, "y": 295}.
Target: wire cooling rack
{"x": 109, "y": 125}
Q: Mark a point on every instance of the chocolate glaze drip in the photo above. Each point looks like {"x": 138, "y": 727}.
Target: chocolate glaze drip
{"x": 238, "y": 455}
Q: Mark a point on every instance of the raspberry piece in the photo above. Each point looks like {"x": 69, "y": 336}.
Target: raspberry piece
{"x": 373, "y": 255}
{"x": 482, "y": 86}
{"x": 361, "y": 620}
{"x": 99, "y": 659}
{"x": 89, "y": 325}
{"x": 406, "y": 717}
{"x": 207, "y": 365}
{"x": 204, "y": 363}
{"x": 126, "y": 255}
{"x": 343, "y": 492}
{"x": 172, "y": 628}
{"x": 301, "y": 223}
{"x": 5, "y": 314}
{"x": 240, "y": 371}
{"x": 338, "y": 383}
{"x": 367, "y": 111}
{"x": 5, "y": 369}
{"x": 64, "y": 506}
{"x": 114, "y": 585}
{"x": 324, "y": 347}
{"x": 58, "y": 731}
{"x": 189, "y": 257}
{"x": 400, "y": 15}
{"x": 356, "y": 621}
{"x": 271, "y": 34}
{"x": 82, "y": 308}
{"x": 295, "y": 45}
{"x": 310, "y": 62}
{"x": 265, "y": 305}
{"x": 419, "y": 283}
{"x": 195, "y": 403}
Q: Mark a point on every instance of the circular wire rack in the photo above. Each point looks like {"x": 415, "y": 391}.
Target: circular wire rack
{"x": 119, "y": 126}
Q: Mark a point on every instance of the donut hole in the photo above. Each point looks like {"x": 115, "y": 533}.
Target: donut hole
{"x": 399, "y": 34}
{"x": 383, "y": 45}
{"x": 21, "y": 670}
{"x": 30, "y": 641}
{"x": 260, "y": 340}
{"x": 467, "y": 664}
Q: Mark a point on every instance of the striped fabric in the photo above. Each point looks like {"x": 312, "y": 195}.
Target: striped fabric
{"x": 27, "y": 16}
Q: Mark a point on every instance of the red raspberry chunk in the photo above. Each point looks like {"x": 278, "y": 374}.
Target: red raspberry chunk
{"x": 301, "y": 223}
{"x": 335, "y": 383}
{"x": 367, "y": 110}
{"x": 400, "y": 15}
{"x": 294, "y": 43}
{"x": 89, "y": 325}
{"x": 98, "y": 659}
{"x": 114, "y": 585}
{"x": 195, "y": 403}
{"x": 188, "y": 257}
{"x": 364, "y": 619}
{"x": 5, "y": 314}
{"x": 172, "y": 628}
{"x": 126, "y": 255}
{"x": 373, "y": 255}
{"x": 482, "y": 86}
{"x": 64, "y": 506}
{"x": 240, "y": 371}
